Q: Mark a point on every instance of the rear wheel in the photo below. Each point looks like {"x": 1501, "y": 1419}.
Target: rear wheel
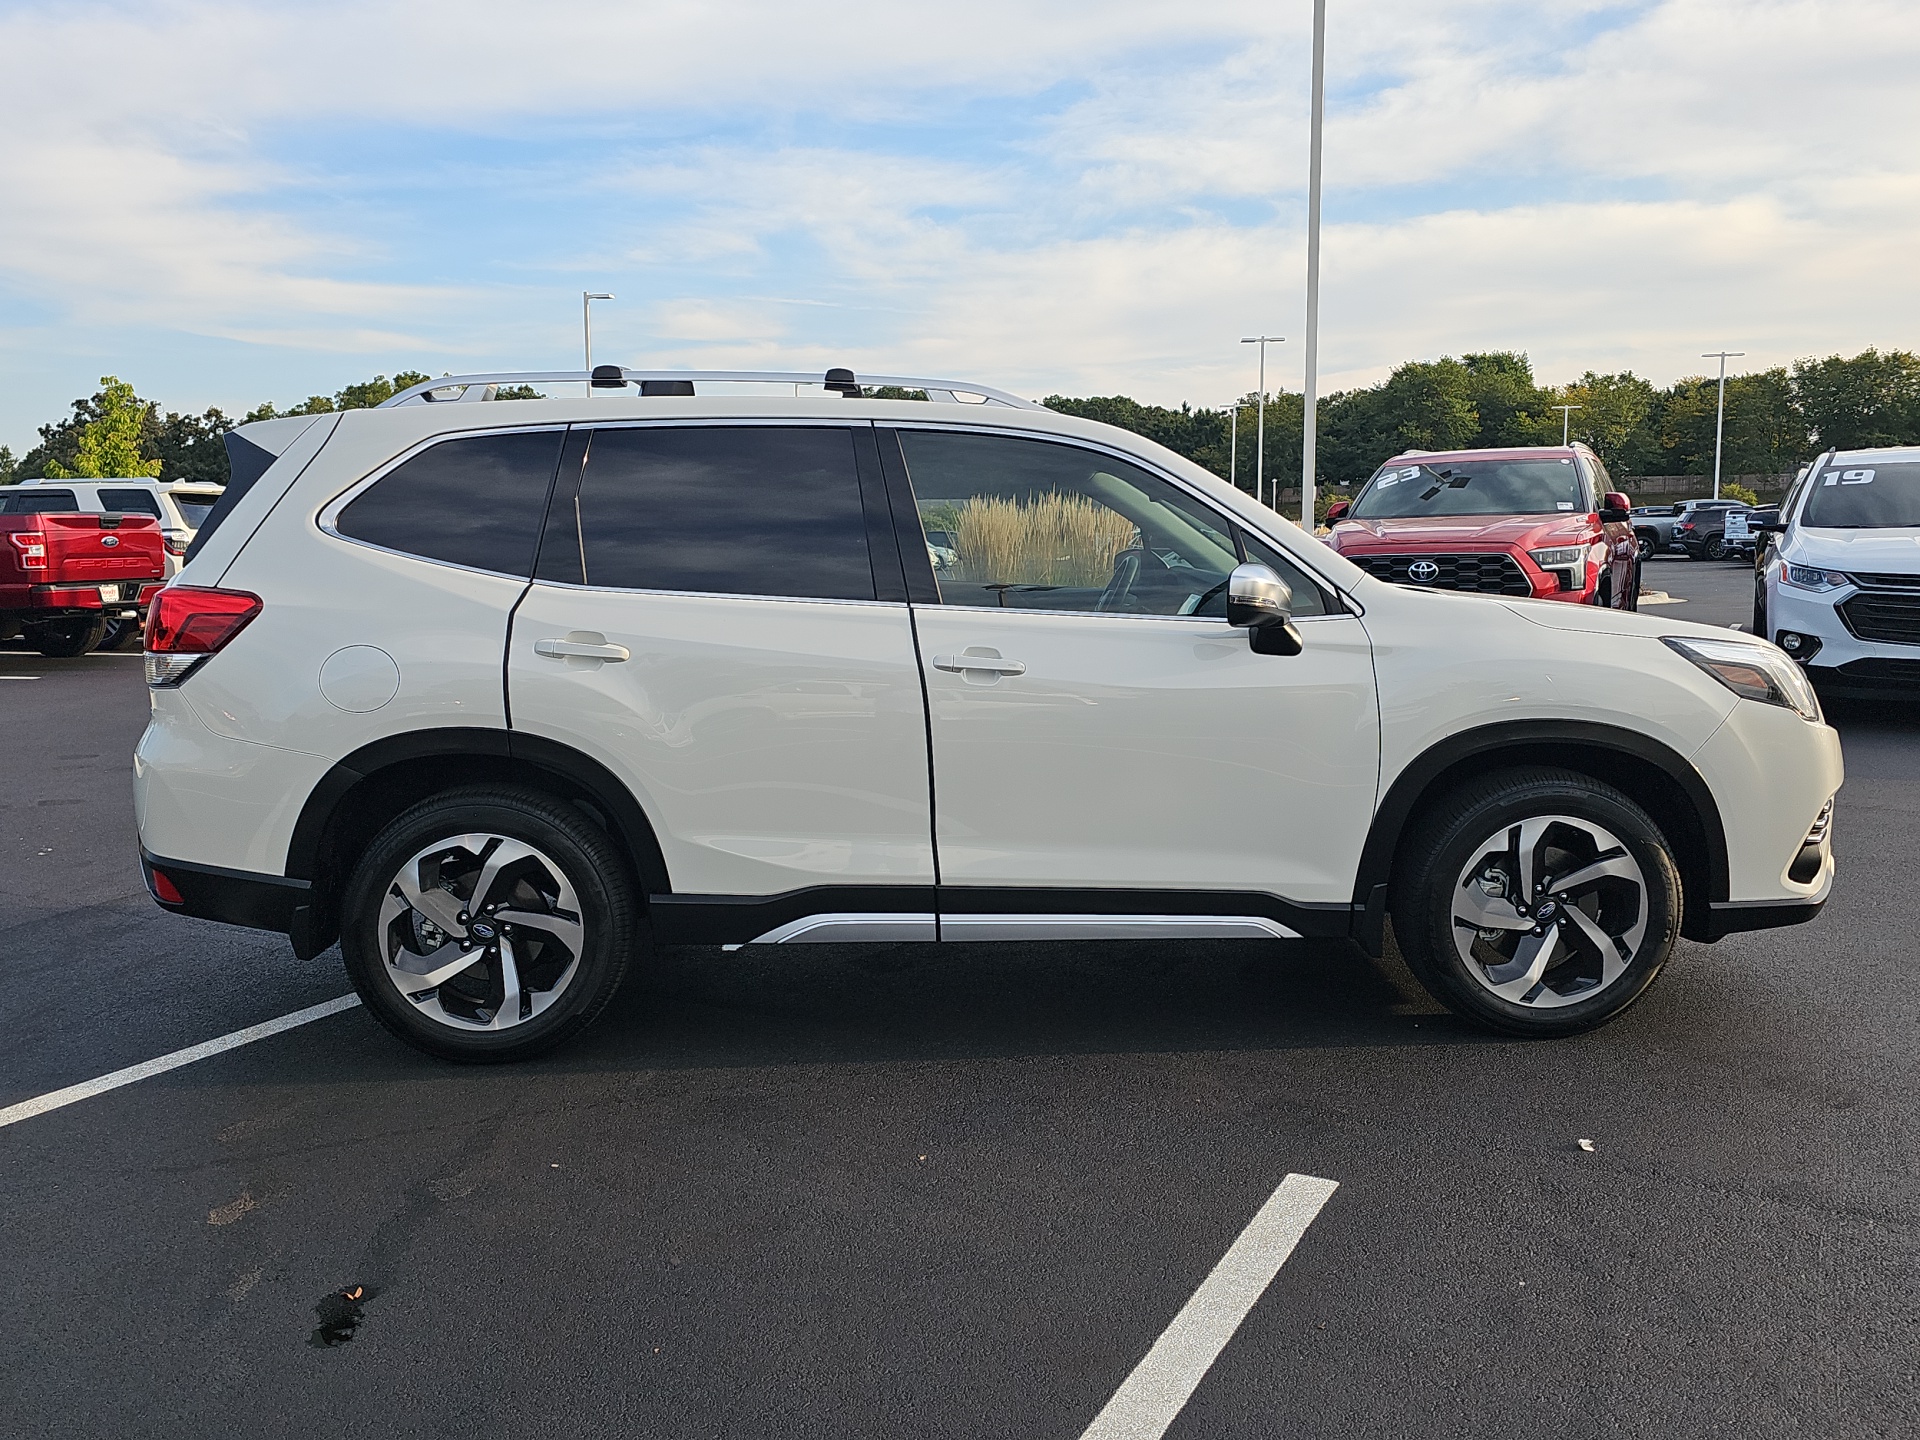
{"x": 66, "y": 638}
{"x": 1760, "y": 627}
{"x": 488, "y": 924}
{"x": 1539, "y": 902}
{"x": 1646, "y": 539}
{"x": 121, "y": 635}
{"x": 1714, "y": 549}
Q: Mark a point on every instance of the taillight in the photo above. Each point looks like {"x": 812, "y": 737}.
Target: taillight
{"x": 175, "y": 545}
{"x": 186, "y": 624}
{"x": 33, "y": 549}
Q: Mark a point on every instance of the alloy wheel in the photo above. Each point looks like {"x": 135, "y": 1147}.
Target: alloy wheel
{"x": 1549, "y": 911}
{"x": 480, "y": 932}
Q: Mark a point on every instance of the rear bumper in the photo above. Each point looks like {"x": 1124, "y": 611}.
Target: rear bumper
{"x": 67, "y": 598}
{"x": 233, "y": 897}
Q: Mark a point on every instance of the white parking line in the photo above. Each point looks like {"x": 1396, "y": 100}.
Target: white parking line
{"x": 147, "y": 1069}
{"x": 1162, "y": 1383}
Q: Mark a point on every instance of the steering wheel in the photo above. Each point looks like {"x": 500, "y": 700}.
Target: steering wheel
{"x": 1127, "y": 566}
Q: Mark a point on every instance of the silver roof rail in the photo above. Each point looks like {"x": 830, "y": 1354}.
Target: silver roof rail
{"x": 482, "y": 387}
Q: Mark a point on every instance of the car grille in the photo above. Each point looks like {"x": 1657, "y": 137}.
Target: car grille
{"x": 1877, "y": 615}
{"x": 1880, "y": 668}
{"x": 1886, "y": 582}
{"x": 1495, "y": 574}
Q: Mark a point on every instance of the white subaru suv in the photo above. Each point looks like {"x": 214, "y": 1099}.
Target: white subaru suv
{"x": 1840, "y": 591}
{"x": 497, "y": 694}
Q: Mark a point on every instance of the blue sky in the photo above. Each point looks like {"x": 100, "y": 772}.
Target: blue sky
{"x": 232, "y": 203}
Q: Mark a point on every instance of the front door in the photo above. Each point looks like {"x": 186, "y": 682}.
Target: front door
{"x": 1097, "y": 726}
{"x": 705, "y": 622}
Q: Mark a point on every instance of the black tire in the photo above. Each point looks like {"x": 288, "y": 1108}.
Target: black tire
{"x": 122, "y": 635}
{"x": 63, "y": 639}
{"x": 1760, "y": 608}
{"x": 1647, "y": 542}
{"x": 1633, "y": 587}
{"x": 566, "y": 839}
{"x": 1450, "y": 831}
{"x": 1714, "y": 549}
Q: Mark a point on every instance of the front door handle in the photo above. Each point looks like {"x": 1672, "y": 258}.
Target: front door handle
{"x": 581, "y": 645}
{"x": 992, "y": 664}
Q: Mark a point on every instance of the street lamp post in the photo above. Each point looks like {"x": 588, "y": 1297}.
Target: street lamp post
{"x": 1720, "y": 414}
{"x": 1260, "y": 444}
{"x": 1310, "y": 422}
{"x": 586, "y": 327}
{"x": 1566, "y": 417}
{"x": 1233, "y": 447}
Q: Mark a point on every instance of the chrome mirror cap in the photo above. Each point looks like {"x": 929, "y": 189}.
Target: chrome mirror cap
{"x": 1257, "y": 596}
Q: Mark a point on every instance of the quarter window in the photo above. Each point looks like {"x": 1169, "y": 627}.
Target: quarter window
{"x": 1035, "y": 525}
{"x": 724, "y": 510}
{"x": 475, "y": 501}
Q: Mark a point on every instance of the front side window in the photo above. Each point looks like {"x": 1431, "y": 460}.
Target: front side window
{"x": 723, "y": 510}
{"x": 474, "y": 501}
{"x": 1865, "y": 496}
{"x": 1472, "y": 487}
{"x": 38, "y": 502}
{"x": 1037, "y": 525}
{"x": 130, "y": 502}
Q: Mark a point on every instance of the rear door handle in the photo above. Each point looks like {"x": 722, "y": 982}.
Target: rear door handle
{"x": 581, "y": 646}
{"x": 992, "y": 664}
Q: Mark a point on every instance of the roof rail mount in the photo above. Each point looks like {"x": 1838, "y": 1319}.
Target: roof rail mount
{"x": 839, "y": 381}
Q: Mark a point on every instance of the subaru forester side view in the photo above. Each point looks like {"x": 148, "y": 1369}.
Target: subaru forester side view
{"x": 497, "y": 695}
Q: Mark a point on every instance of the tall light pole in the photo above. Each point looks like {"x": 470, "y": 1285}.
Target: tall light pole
{"x": 586, "y": 326}
{"x": 1233, "y": 447}
{"x": 1720, "y": 415}
{"x": 1566, "y": 417}
{"x": 1260, "y": 444}
{"x": 1310, "y": 423}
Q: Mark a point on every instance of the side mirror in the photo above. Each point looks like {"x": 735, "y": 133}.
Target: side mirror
{"x": 1615, "y": 507}
{"x": 1261, "y": 603}
{"x": 1338, "y": 510}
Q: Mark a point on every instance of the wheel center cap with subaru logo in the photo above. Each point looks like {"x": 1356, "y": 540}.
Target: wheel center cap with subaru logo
{"x": 1425, "y": 571}
{"x": 482, "y": 930}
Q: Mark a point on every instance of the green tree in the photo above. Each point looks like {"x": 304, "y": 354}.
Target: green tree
{"x": 1871, "y": 399}
{"x": 9, "y": 467}
{"x": 1510, "y": 408}
{"x": 109, "y": 444}
{"x": 1614, "y": 417}
{"x": 193, "y": 447}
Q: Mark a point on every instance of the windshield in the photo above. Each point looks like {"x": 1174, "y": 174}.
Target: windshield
{"x": 1865, "y": 497}
{"x": 1471, "y": 487}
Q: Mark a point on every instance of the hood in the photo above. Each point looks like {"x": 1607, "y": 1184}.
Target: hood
{"x": 1891, "y": 551}
{"x": 1491, "y": 532}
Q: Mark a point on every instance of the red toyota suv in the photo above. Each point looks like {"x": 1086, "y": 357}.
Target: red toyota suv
{"x": 1538, "y": 521}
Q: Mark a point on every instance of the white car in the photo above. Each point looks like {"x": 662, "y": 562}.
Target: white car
{"x": 496, "y": 696}
{"x": 1840, "y": 589}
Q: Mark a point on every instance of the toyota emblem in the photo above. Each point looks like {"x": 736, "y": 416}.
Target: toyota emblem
{"x": 1425, "y": 571}
{"x": 109, "y": 541}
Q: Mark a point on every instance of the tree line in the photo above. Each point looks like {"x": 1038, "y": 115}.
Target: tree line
{"x": 114, "y": 432}
{"x": 1776, "y": 419}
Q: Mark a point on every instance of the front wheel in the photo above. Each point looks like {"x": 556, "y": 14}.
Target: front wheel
{"x": 488, "y": 923}
{"x": 1760, "y": 608}
{"x": 63, "y": 639}
{"x": 1540, "y": 902}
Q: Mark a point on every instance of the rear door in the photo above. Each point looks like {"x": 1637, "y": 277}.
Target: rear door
{"x": 718, "y": 618}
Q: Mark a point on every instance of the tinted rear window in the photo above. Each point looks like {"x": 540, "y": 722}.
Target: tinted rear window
{"x": 749, "y": 510}
{"x": 38, "y": 502}
{"x": 130, "y": 502}
{"x": 475, "y": 501}
{"x": 194, "y": 509}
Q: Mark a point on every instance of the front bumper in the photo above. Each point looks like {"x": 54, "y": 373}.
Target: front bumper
{"x": 1844, "y": 665}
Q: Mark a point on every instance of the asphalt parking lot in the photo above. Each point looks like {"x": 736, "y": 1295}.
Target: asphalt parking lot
{"x": 948, "y": 1191}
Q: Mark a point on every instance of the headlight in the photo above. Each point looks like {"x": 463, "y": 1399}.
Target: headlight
{"x": 1808, "y": 577}
{"x": 1752, "y": 671}
{"x": 1559, "y": 557}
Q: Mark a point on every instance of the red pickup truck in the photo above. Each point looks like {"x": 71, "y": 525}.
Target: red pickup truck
{"x": 64, "y": 576}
